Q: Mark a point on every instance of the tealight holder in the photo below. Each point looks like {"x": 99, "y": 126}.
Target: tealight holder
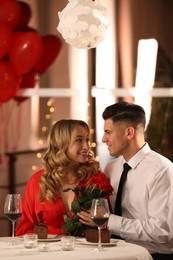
{"x": 30, "y": 240}
{"x": 43, "y": 246}
{"x": 67, "y": 243}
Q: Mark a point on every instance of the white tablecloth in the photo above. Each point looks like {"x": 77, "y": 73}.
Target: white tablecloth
{"x": 118, "y": 251}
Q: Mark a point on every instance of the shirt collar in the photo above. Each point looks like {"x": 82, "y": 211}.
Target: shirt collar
{"x": 139, "y": 156}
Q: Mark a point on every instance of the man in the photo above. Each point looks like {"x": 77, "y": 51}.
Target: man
{"x": 146, "y": 213}
{"x": 147, "y": 198}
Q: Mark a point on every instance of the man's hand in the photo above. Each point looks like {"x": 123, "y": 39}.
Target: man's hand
{"x": 85, "y": 218}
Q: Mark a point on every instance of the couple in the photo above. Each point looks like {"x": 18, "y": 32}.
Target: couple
{"x": 147, "y": 208}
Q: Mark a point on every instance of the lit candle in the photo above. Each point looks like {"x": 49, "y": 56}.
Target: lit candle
{"x": 43, "y": 246}
{"x": 67, "y": 243}
{"x": 30, "y": 240}
{"x": 29, "y": 244}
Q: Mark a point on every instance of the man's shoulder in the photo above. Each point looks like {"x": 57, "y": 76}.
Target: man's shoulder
{"x": 159, "y": 158}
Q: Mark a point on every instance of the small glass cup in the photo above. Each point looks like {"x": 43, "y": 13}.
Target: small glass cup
{"x": 67, "y": 243}
{"x": 30, "y": 240}
{"x": 43, "y": 246}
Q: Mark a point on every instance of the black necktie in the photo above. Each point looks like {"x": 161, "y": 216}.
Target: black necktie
{"x": 123, "y": 178}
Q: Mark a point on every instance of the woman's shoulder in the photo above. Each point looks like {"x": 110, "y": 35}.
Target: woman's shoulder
{"x": 37, "y": 175}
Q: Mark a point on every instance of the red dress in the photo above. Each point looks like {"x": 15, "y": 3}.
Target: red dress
{"x": 51, "y": 213}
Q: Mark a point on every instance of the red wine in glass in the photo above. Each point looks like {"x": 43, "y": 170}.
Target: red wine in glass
{"x": 100, "y": 221}
{"x": 13, "y": 216}
{"x": 99, "y": 215}
{"x": 13, "y": 211}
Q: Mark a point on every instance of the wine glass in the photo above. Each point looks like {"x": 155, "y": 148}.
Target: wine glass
{"x": 13, "y": 211}
{"x": 99, "y": 215}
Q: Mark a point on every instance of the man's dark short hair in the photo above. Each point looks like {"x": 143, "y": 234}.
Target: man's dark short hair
{"x": 125, "y": 111}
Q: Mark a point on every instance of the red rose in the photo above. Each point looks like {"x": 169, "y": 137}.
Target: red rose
{"x": 101, "y": 182}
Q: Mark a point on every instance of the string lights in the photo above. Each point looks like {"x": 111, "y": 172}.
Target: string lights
{"x": 44, "y": 129}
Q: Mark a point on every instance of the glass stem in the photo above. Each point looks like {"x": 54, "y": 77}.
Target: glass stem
{"x": 99, "y": 242}
{"x": 13, "y": 227}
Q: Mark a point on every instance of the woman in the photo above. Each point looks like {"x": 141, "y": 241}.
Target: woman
{"x": 67, "y": 163}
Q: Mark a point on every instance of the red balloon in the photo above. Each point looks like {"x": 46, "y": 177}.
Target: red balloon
{"x": 29, "y": 80}
{"x": 26, "y": 49}
{"x": 5, "y": 38}
{"x": 52, "y": 46}
{"x": 10, "y": 81}
{"x": 25, "y": 14}
{"x": 10, "y": 12}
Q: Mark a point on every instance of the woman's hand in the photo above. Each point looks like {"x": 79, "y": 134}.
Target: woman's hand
{"x": 85, "y": 218}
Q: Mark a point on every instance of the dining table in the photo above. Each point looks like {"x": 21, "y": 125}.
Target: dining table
{"x": 83, "y": 250}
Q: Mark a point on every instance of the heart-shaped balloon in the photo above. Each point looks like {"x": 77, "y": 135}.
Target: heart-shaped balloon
{"x": 5, "y": 38}
{"x": 25, "y": 14}
{"x": 10, "y": 81}
{"x": 51, "y": 48}
{"x": 29, "y": 80}
{"x": 10, "y": 12}
{"x": 26, "y": 49}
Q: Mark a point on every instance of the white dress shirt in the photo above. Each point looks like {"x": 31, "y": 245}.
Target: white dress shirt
{"x": 147, "y": 201}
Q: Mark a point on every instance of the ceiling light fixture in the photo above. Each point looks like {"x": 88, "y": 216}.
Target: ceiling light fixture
{"x": 83, "y": 23}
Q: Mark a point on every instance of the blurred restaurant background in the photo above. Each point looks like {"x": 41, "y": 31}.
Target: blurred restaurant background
{"x": 134, "y": 63}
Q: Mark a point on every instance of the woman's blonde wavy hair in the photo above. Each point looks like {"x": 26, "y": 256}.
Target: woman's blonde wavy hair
{"x": 56, "y": 161}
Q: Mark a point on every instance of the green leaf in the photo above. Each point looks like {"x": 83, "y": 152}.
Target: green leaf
{"x": 68, "y": 220}
{"x": 75, "y": 206}
{"x": 73, "y": 227}
{"x": 88, "y": 205}
{"x": 83, "y": 199}
{"x": 76, "y": 191}
{"x": 96, "y": 193}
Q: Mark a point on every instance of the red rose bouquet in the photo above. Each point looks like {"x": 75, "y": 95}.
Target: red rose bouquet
{"x": 96, "y": 187}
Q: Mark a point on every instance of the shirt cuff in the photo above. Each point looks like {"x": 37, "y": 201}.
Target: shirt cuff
{"x": 114, "y": 224}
